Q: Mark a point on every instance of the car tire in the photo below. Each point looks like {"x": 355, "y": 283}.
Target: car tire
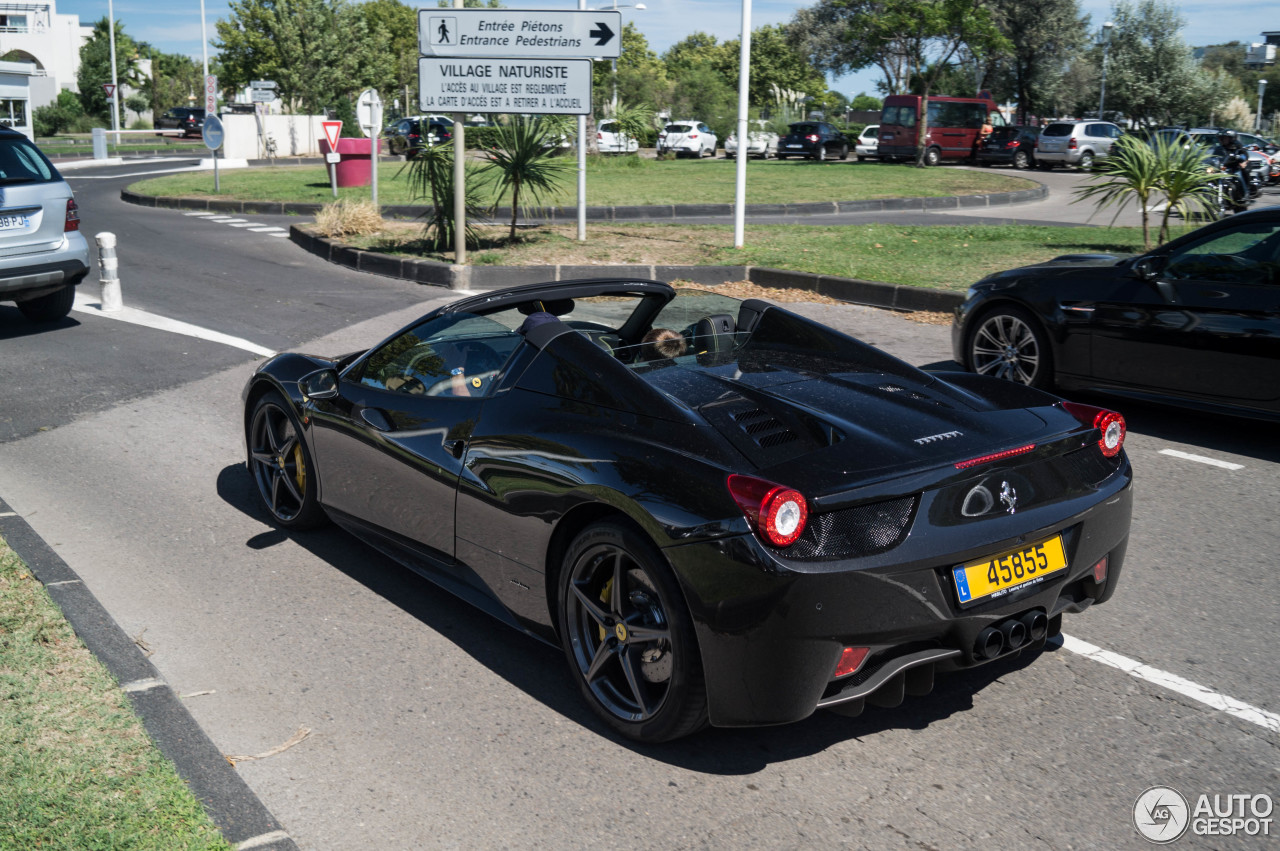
{"x": 1008, "y": 342}
{"x": 1086, "y": 161}
{"x": 281, "y": 464}
{"x": 932, "y": 157}
{"x": 862, "y": 159}
{"x": 628, "y": 636}
{"x": 782, "y": 156}
{"x": 1021, "y": 160}
{"x": 1044, "y": 166}
{"x": 821, "y": 155}
{"x": 51, "y": 307}
{"x": 844, "y": 152}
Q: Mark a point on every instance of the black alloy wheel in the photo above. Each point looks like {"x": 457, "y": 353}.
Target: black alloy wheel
{"x": 281, "y": 465}
{"x": 628, "y": 637}
{"x": 1021, "y": 160}
{"x": 1008, "y": 343}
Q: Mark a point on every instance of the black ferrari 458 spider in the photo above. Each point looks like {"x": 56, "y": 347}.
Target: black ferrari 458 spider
{"x": 722, "y": 511}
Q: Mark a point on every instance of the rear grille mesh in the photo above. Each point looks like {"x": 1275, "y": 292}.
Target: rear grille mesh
{"x": 854, "y": 532}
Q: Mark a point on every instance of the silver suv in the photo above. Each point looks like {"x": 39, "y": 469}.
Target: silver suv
{"x": 1076, "y": 143}
{"x": 43, "y": 255}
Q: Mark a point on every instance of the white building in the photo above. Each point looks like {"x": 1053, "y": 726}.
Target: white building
{"x": 44, "y": 52}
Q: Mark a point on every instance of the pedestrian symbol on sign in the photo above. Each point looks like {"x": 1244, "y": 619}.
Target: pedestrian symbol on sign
{"x": 441, "y": 32}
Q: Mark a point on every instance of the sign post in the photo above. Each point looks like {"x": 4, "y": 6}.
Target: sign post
{"x": 332, "y": 134}
{"x": 213, "y": 138}
{"x": 262, "y": 91}
{"x": 369, "y": 114}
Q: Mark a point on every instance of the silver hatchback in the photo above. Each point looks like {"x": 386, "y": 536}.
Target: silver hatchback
{"x": 1077, "y": 143}
{"x": 43, "y": 255}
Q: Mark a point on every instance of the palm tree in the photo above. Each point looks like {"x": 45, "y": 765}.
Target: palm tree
{"x": 431, "y": 178}
{"x": 522, "y": 161}
{"x": 1186, "y": 176}
{"x": 1132, "y": 171}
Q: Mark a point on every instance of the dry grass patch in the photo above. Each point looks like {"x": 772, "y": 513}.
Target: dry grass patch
{"x": 348, "y": 217}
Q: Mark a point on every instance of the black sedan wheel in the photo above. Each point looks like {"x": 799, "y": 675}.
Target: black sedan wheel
{"x": 628, "y": 637}
{"x": 281, "y": 465}
{"x": 1008, "y": 343}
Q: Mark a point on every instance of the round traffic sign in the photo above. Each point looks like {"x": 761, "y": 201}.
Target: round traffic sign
{"x": 213, "y": 133}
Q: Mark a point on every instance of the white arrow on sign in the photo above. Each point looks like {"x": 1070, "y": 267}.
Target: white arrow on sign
{"x": 537, "y": 34}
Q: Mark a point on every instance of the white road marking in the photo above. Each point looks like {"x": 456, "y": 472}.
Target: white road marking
{"x": 242, "y": 224}
{"x": 222, "y": 220}
{"x": 1173, "y": 682}
{"x": 85, "y": 304}
{"x": 1187, "y": 456}
{"x": 264, "y": 839}
{"x": 8, "y": 514}
{"x": 203, "y": 213}
{"x": 266, "y": 229}
{"x": 284, "y": 235}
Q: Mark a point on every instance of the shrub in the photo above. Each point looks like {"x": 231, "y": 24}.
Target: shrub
{"x": 346, "y": 217}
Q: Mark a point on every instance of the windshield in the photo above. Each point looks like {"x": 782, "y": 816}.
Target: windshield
{"x": 678, "y": 128}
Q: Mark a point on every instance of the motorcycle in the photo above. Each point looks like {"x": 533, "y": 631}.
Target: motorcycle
{"x": 1226, "y": 195}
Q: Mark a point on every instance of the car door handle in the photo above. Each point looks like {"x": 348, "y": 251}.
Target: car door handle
{"x": 375, "y": 419}
{"x": 455, "y": 447}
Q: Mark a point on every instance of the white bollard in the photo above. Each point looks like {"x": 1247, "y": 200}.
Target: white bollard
{"x": 108, "y": 271}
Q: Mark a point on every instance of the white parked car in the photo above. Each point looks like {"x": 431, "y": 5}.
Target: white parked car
{"x": 687, "y": 139}
{"x": 761, "y": 142}
{"x": 610, "y": 141}
{"x": 868, "y": 142}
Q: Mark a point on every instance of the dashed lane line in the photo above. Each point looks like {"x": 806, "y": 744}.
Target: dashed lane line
{"x": 86, "y": 304}
{"x": 253, "y": 227}
{"x": 1201, "y": 459}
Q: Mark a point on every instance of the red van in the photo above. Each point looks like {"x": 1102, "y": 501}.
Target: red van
{"x": 954, "y": 127}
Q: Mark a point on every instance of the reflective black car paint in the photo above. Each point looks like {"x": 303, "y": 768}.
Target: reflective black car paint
{"x": 571, "y": 436}
{"x": 1203, "y": 344}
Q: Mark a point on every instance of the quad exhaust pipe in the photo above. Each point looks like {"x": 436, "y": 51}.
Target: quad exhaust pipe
{"x": 1011, "y": 634}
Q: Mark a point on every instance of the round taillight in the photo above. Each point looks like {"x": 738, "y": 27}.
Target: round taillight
{"x": 1113, "y": 430}
{"x": 776, "y": 512}
{"x": 1110, "y": 423}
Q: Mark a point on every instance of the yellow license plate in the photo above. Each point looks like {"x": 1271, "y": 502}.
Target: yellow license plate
{"x": 978, "y": 579}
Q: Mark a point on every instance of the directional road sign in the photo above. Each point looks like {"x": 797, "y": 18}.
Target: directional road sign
{"x": 262, "y": 95}
{"x": 262, "y": 84}
{"x": 519, "y": 86}
{"x": 212, "y": 132}
{"x": 541, "y": 34}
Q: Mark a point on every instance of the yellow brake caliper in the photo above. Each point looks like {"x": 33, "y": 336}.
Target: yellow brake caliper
{"x": 300, "y": 466}
{"x": 604, "y": 598}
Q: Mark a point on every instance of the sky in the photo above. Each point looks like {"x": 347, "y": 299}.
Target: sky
{"x": 174, "y": 25}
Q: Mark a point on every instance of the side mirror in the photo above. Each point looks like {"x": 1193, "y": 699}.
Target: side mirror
{"x": 1149, "y": 268}
{"x": 321, "y": 384}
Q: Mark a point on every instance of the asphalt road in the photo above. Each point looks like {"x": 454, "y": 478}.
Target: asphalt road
{"x": 433, "y": 726}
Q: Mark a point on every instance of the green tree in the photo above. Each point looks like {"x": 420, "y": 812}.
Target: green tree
{"x": 175, "y": 79}
{"x": 95, "y": 67}
{"x": 394, "y": 26}
{"x": 430, "y": 176}
{"x": 64, "y": 115}
{"x": 864, "y": 102}
{"x": 642, "y": 76}
{"x": 1044, "y": 36}
{"x": 1132, "y": 172}
{"x": 1151, "y": 75}
{"x": 828, "y": 34}
{"x": 774, "y": 62}
{"x": 317, "y": 51}
{"x": 702, "y": 93}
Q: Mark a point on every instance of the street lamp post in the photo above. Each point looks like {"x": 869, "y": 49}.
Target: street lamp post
{"x": 613, "y": 63}
{"x": 1106, "y": 42}
{"x": 1262, "y": 87}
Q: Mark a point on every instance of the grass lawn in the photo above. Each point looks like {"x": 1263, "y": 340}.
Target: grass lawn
{"x": 623, "y": 181}
{"x": 77, "y": 768}
{"x": 946, "y": 257}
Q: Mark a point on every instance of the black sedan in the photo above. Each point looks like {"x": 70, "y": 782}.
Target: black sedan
{"x": 1195, "y": 322}
{"x": 721, "y": 511}
{"x": 409, "y": 135}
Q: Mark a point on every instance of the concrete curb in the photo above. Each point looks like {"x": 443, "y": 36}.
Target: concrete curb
{"x": 625, "y": 213}
{"x": 435, "y": 273}
{"x": 230, "y": 803}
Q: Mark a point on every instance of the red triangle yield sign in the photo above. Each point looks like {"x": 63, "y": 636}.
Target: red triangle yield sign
{"x": 109, "y": 88}
{"x": 332, "y": 133}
